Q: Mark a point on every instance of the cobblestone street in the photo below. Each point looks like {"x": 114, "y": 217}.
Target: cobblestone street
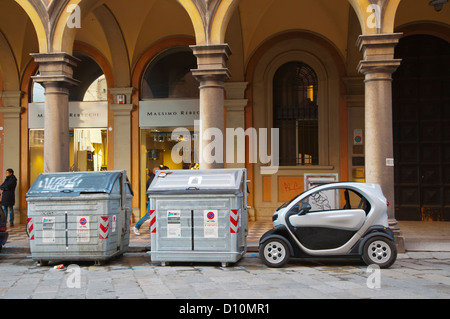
{"x": 414, "y": 275}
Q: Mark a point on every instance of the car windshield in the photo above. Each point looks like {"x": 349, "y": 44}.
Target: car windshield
{"x": 287, "y": 203}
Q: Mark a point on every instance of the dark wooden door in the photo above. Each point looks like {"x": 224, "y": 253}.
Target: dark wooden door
{"x": 421, "y": 119}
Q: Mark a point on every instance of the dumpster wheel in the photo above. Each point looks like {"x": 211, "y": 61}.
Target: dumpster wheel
{"x": 41, "y": 263}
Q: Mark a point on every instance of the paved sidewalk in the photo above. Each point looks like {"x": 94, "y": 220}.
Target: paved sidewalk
{"x": 414, "y": 276}
{"x": 420, "y": 274}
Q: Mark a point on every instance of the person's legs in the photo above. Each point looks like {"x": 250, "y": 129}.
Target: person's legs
{"x": 141, "y": 221}
{"x": 5, "y": 212}
{"x": 11, "y": 215}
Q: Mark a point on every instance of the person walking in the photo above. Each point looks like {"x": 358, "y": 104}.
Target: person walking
{"x": 7, "y": 190}
{"x": 147, "y": 215}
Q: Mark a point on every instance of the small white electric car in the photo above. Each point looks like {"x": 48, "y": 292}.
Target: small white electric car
{"x": 332, "y": 220}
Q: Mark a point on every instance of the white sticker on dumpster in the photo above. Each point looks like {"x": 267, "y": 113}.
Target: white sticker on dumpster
{"x": 174, "y": 223}
{"x": 48, "y": 229}
{"x": 83, "y": 229}
{"x": 114, "y": 222}
{"x": 211, "y": 225}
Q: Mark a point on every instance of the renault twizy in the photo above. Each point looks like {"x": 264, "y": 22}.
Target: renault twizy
{"x": 332, "y": 220}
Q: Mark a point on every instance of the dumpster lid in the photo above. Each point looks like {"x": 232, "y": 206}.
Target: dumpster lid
{"x": 73, "y": 183}
{"x": 212, "y": 181}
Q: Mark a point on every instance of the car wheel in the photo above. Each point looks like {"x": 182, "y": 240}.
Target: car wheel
{"x": 274, "y": 253}
{"x": 379, "y": 251}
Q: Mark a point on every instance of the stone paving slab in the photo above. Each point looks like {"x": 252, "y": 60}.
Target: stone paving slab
{"x": 413, "y": 276}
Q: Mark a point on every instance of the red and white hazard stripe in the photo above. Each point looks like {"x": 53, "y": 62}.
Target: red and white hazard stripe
{"x": 234, "y": 221}
{"x": 103, "y": 228}
{"x": 153, "y": 222}
{"x": 30, "y": 228}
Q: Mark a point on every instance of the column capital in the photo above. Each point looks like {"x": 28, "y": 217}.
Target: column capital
{"x": 126, "y": 91}
{"x": 235, "y": 93}
{"x": 378, "y": 46}
{"x": 378, "y": 52}
{"x": 211, "y": 61}
{"x": 11, "y": 111}
{"x": 55, "y": 69}
{"x": 11, "y": 98}
{"x": 235, "y": 90}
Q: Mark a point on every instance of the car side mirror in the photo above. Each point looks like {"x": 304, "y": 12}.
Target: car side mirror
{"x": 306, "y": 207}
{"x": 294, "y": 209}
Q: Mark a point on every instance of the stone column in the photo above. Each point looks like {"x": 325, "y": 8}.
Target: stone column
{"x": 11, "y": 138}
{"x": 122, "y": 128}
{"x": 378, "y": 66}
{"x": 211, "y": 73}
{"x": 56, "y": 71}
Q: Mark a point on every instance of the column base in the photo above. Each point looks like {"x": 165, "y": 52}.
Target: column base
{"x": 398, "y": 236}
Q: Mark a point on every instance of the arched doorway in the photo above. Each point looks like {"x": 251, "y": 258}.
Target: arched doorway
{"x": 421, "y": 121}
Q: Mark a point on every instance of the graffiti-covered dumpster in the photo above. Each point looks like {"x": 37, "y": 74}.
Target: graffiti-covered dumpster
{"x": 79, "y": 216}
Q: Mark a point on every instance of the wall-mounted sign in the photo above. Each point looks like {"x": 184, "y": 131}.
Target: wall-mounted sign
{"x": 168, "y": 113}
{"x": 358, "y": 137}
{"x": 81, "y": 115}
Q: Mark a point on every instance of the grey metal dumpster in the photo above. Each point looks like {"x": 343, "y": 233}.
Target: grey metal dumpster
{"x": 198, "y": 216}
{"x": 80, "y": 216}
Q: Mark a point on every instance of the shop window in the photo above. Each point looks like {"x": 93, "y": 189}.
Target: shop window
{"x": 295, "y": 114}
{"x": 97, "y": 91}
{"x": 159, "y": 144}
{"x": 38, "y": 92}
{"x": 88, "y": 151}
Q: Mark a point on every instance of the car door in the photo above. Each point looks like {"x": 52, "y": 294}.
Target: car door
{"x": 335, "y": 217}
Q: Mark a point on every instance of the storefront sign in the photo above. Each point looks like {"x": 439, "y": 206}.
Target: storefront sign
{"x": 168, "y": 113}
{"x": 81, "y": 115}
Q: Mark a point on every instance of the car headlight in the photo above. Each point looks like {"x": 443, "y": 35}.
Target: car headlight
{"x": 274, "y": 217}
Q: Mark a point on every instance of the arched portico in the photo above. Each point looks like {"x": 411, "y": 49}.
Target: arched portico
{"x": 210, "y": 20}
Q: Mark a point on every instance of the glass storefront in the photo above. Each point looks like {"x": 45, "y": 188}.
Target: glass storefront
{"x": 157, "y": 146}
{"x": 88, "y": 151}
